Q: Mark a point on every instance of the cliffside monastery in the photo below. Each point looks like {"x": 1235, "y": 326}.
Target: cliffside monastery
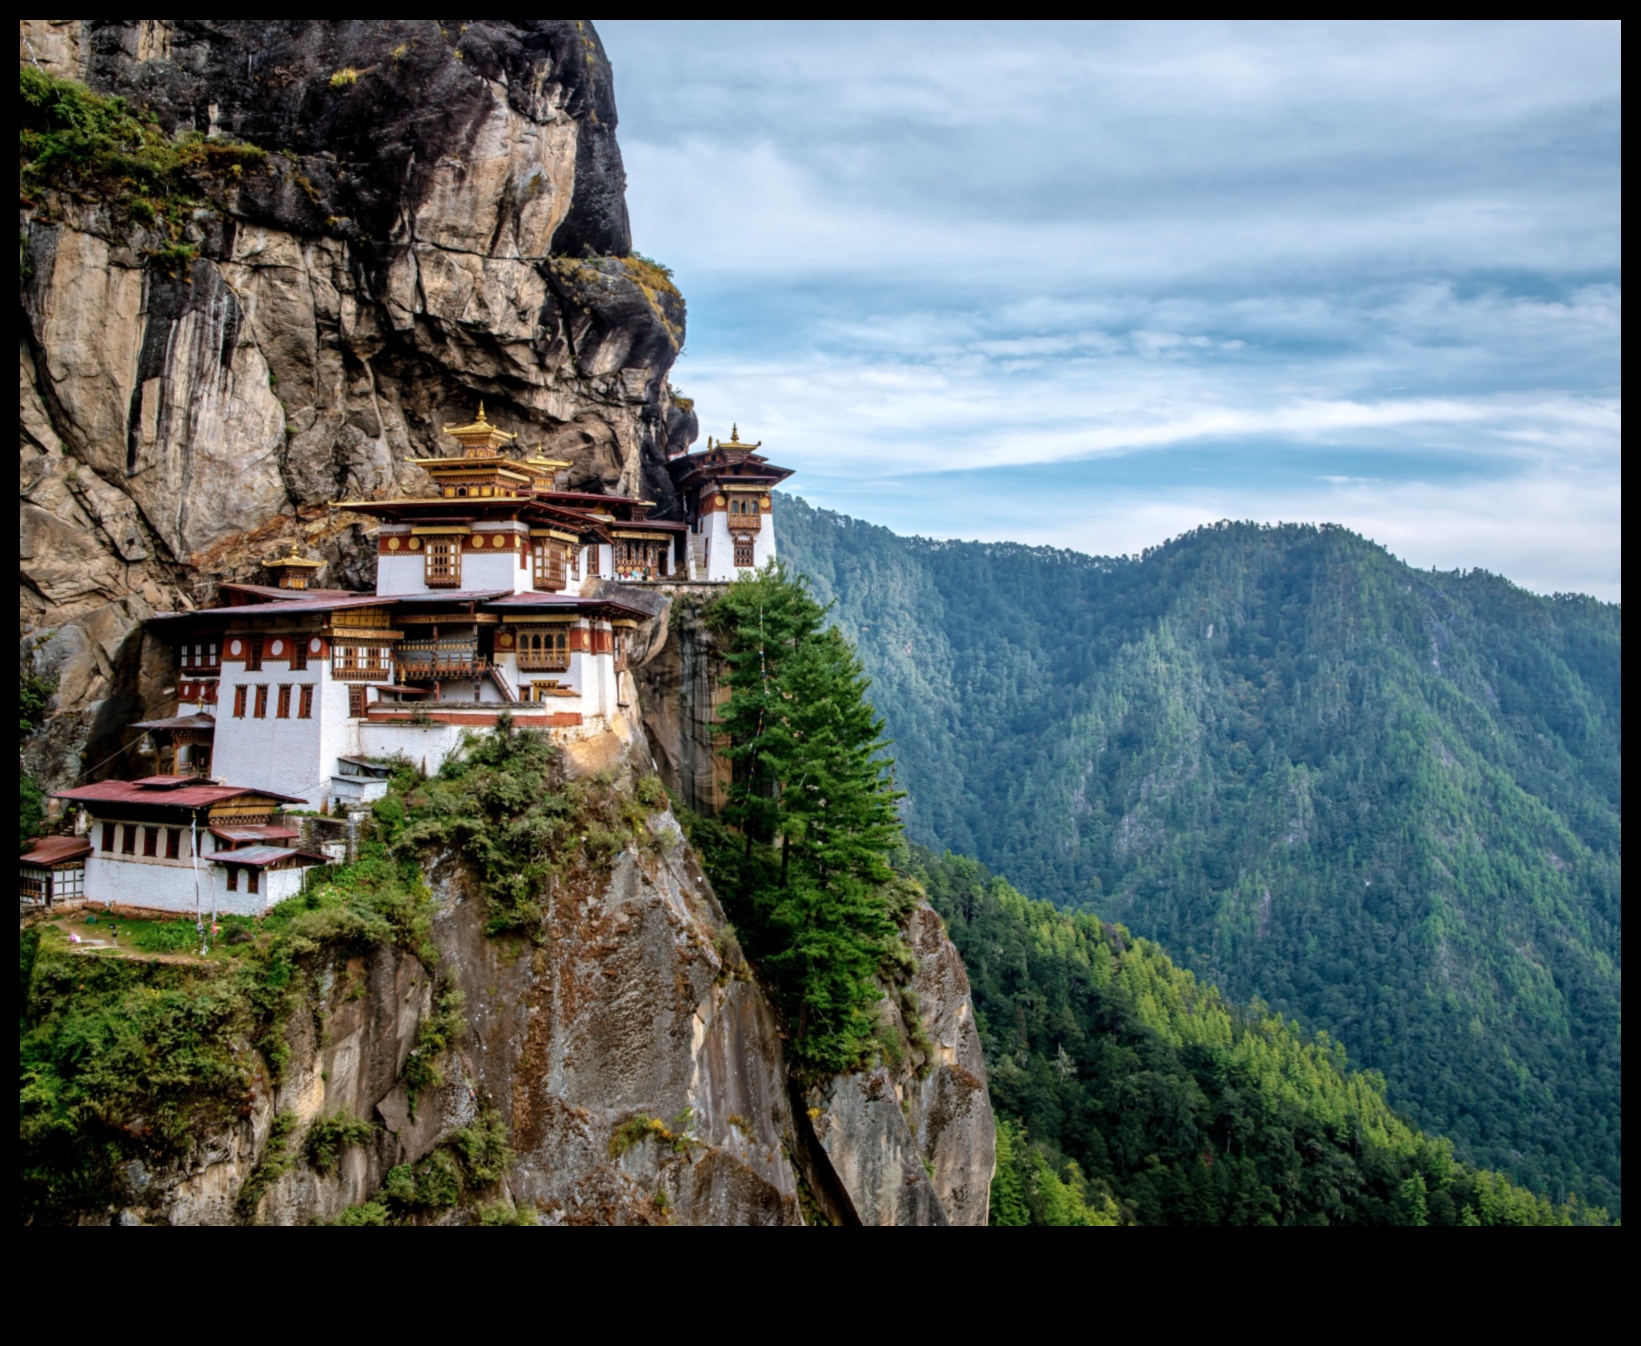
{"x": 490, "y": 597}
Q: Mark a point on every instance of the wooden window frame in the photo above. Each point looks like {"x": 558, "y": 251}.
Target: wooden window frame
{"x": 151, "y": 843}
{"x": 128, "y": 839}
{"x": 173, "y": 843}
{"x": 547, "y": 565}
{"x": 253, "y": 654}
{"x": 299, "y": 653}
{"x": 233, "y": 878}
{"x": 253, "y": 878}
{"x": 261, "y": 710}
{"x": 748, "y": 550}
{"x": 111, "y": 838}
{"x": 241, "y": 697}
{"x": 304, "y": 709}
{"x": 356, "y": 703}
{"x": 543, "y": 649}
{"x": 442, "y": 561}
{"x": 283, "y": 710}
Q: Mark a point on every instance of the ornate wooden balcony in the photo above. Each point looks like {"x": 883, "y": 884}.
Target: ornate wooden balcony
{"x": 420, "y": 660}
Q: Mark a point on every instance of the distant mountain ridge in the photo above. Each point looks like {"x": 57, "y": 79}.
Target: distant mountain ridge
{"x": 1385, "y": 801}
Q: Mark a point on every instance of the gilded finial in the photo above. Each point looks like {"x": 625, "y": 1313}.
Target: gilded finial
{"x": 481, "y": 420}
{"x": 734, "y": 433}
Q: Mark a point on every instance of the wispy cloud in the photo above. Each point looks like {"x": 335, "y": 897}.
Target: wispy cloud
{"x": 1367, "y": 273}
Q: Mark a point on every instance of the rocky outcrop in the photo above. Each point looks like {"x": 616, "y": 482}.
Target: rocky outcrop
{"x": 440, "y": 218}
{"x": 346, "y": 1055}
{"x": 678, "y": 676}
{"x": 913, "y": 1143}
{"x": 638, "y": 1065}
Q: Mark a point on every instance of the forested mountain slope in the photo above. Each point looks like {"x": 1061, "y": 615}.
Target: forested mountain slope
{"x": 1128, "y": 1091}
{"x": 1386, "y": 801}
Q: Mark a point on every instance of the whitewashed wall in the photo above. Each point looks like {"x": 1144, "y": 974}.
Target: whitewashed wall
{"x": 293, "y": 756}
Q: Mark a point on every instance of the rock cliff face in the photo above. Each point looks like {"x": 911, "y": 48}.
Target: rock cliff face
{"x": 440, "y": 218}
{"x": 631, "y": 1056}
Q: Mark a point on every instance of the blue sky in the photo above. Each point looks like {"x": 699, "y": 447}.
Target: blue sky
{"x": 1095, "y": 284}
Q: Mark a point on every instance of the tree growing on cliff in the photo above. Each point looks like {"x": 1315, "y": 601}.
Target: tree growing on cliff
{"x": 814, "y": 805}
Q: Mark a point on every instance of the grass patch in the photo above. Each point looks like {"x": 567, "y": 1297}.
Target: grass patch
{"x": 91, "y": 147}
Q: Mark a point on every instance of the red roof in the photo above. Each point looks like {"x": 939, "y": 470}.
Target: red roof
{"x": 261, "y": 856}
{"x": 158, "y": 790}
{"x": 293, "y": 607}
{"x": 265, "y": 832}
{"x": 48, "y": 851}
{"x": 531, "y": 599}
{"x": 201, "y": 720}
{"x": 279, "y": 593}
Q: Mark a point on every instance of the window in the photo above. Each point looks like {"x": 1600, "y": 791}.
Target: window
{"x": 743, "y": 554}
{"x": 443, "y": 560}
{"x": 299, "y": 652}
{"x": 262, "y": 701}
{"x": 547, "y": 565}
{"x": 128, "y": 840}
{"x": 362, "y": 663}
{"x": 233, "y": 878}
{"x": 173, "y": 843}
{"x": 594, "y": 552}
{"x": 239, "y": 702}
{"x": 544, "y": 649}
{"x": 251, "y": 877}
{"x": 284, "y": 711}
{"x": 151, "y": 841}
{"x": 637, "y": 560}
{"x": 575, "y": 561}
{"x": 199, "y": 657}
{"x": 619, "y": 644}
{"x": 253, "y": 654}
{"x": 305, "y": 707}
{"x": 356, "y": 702}
{"x": 110, "y": 831}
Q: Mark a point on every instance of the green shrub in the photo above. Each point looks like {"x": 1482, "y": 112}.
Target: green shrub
{"x": 82, "y": 143}
{"x": 433, "y": 1184}
{"x": 368, "y": 1213}
{"x": 328, "y": 1136}
{"x": 483, "y": 1148}
{"x": 505, "y": 1213}
{"x": 275, "y": 1163}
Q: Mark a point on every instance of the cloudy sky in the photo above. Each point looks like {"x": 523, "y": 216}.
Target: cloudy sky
{"x": 1095, "y": 284}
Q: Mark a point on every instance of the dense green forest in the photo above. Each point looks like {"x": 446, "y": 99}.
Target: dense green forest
{"x": 1385, "y": 802}
{"x": 1128, "y": 1091}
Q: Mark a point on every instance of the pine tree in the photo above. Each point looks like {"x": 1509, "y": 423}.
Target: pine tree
{"x": 811, "y": 784}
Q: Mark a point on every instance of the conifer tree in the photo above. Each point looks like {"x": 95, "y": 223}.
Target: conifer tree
{"x": 812, "y": 785}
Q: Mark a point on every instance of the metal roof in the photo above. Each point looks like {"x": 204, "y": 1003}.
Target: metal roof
{"x": 295, "y": 607}
{"x": 260, "y": 857}
{"x": 574, "y": 602}
{"x": 197, "y": 721}
{"x": 446, "y": 596}
{"x": 47, "y": 851}
{"x": 266, "y": 832}
{"x": 197, "y": 794}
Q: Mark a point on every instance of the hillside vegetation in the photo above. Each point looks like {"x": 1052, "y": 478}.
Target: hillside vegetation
{"x": 1384, "y": 801}
{"x": 1129, "y": 1091}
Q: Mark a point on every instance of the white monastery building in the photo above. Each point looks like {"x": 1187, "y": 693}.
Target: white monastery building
{"x": 490, "y": 598}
